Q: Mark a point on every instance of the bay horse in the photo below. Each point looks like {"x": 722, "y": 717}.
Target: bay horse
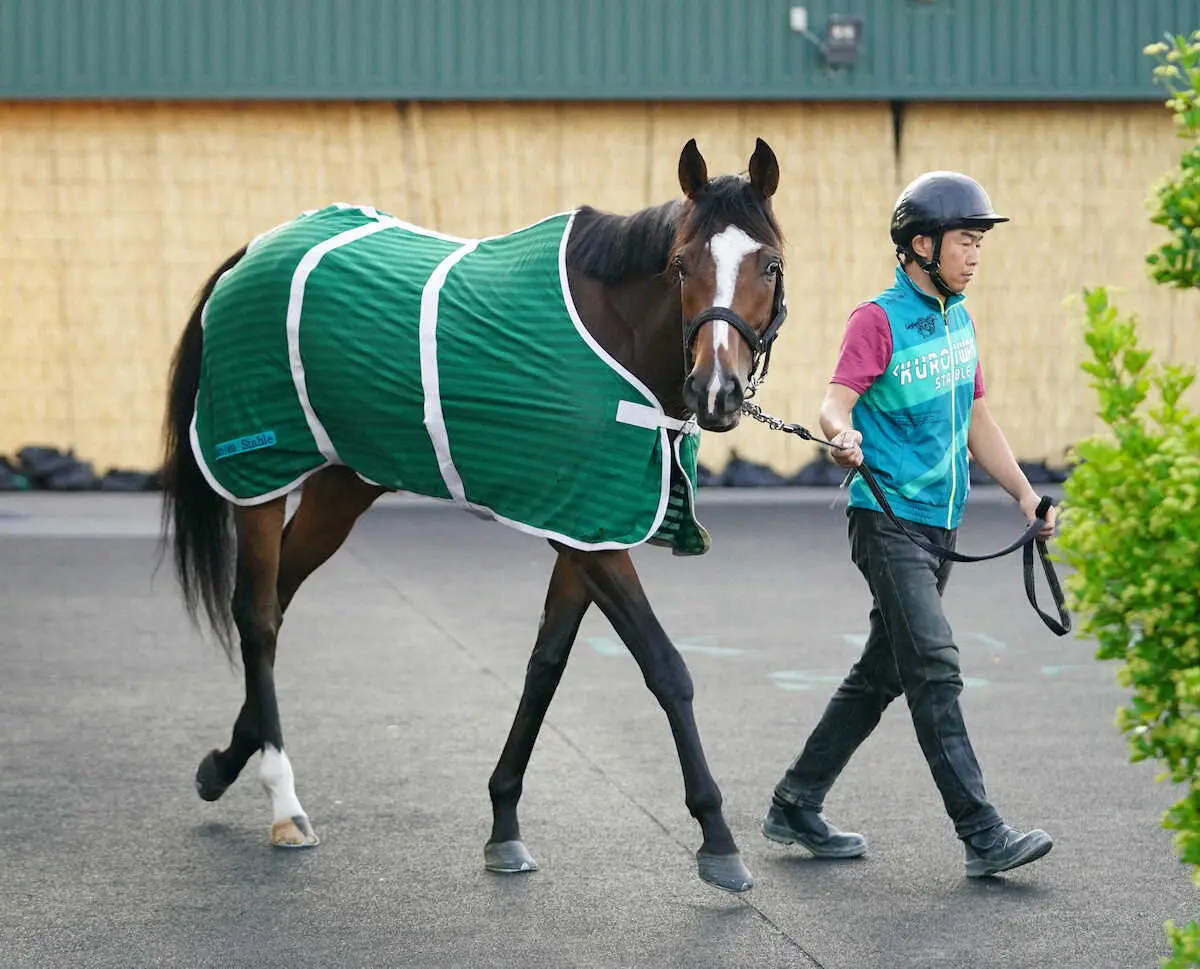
{"x": 683, "y": 298}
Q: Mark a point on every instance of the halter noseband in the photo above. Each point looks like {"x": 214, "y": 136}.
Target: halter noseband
{"x": 760, "y": 346}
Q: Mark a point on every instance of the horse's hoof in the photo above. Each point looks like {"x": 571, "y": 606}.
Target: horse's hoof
{"x": 724, "y": 871}
{"x": 209, "y": 783}
{"x": 508, "y": 856}
{"x": 294, "y": 832}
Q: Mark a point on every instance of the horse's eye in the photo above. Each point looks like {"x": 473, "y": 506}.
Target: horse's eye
{"x": 773, "y": 268}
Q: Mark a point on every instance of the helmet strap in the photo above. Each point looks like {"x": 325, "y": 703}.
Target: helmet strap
{"x": 933, "y": 267}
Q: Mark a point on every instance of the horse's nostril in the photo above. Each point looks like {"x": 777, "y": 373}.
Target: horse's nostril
{"x": 734, "y": 392}
{"x": 690, "y": 397}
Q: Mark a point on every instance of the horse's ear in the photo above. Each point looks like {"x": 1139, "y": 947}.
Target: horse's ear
{"x": 764, "y": 169}
{"x": 693, "y": 172}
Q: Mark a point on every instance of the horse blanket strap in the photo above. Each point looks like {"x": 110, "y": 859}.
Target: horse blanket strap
{"x": 454, "y": 368}
{"x": 1028, "y": 540}
{"x": 642, "y": 415}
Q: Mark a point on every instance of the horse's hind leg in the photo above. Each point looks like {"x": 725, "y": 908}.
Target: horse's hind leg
{"x": 566, "y": 602}
{"x": 218, "y": 770}
{"x": 613, "y": 583}
{"x": 331, "y": 502}
{"x": 257, "y": 615}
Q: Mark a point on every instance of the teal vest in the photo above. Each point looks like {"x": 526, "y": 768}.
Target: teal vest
{"x": 915, "y": 417}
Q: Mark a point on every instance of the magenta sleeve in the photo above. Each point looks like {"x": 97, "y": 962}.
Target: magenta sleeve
{"x": 980, "y": 390}
{"x": 866, "y": 348}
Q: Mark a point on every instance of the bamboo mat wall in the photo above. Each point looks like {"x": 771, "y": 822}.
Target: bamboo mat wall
{"x": 113, "y": 215}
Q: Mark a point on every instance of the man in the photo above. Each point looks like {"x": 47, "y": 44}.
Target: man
{"x": 907, "y": 396}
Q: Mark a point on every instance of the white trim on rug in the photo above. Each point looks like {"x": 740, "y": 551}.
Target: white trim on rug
{"x": 308, "y": 262}
{"x": 435, "y": 419}
{"x": 652, "y": 402}
{"x": 197, "y": 452}
{"x": 688, "y": 487}
{"x": 582, "y": 330}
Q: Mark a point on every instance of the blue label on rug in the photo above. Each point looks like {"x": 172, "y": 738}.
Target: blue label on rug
{"x": 251, "y": 442}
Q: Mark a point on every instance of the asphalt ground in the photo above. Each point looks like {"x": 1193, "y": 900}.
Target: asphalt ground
{"x": 400, "y": 666}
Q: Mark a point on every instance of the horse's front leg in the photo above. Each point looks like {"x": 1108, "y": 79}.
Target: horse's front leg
{"x": 566, "y": 602}
{"x": 613, "y": 583}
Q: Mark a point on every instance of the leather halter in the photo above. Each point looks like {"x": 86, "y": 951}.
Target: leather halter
{"x": 760, "y": 345}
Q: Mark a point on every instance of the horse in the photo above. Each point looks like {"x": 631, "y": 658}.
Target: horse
{"x": 682, "y": 300}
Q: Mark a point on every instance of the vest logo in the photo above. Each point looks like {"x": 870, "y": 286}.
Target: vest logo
{"x": 239, "y": 445}
{"x": 925, "y": 325}
{"x": 947, "y": 367}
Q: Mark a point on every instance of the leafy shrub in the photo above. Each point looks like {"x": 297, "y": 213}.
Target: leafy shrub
{"x": 1131, "y": 521}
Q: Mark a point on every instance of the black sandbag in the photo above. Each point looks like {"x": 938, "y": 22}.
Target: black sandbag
{"x": 10, "y": 478}
{"x": 118, "y": 479}
{"x": 1036, "y": 472}
{"x": 820, "y": 472}
{"x": 78, "y": 476}
{"x": 979, "y": 476}
{"x": 740, "y": 473}
{"x": 39, "y": 464}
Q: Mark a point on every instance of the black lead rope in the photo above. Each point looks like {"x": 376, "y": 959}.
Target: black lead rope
{"x": 1028, "y": 541}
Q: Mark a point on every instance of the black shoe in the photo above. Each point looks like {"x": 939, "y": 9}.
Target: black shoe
{"x": 789, "y": 824}
{"x": 1004, "y": 848}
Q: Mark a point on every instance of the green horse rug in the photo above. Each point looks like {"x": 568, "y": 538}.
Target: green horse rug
{"x": 452, "y": 368}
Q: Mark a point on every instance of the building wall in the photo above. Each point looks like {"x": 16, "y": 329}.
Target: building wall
{"x": 114, "y": 214}
{"x": 569, "y": 50}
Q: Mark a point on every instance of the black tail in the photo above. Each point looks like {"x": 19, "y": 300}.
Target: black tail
{"x": 202, "y": 520}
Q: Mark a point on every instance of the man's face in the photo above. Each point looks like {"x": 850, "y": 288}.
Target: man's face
{"x": 961, "y": 249}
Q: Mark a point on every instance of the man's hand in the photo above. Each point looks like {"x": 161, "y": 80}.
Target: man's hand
{"x": 847, "y": 453}
{"x": 1029, "y": 505}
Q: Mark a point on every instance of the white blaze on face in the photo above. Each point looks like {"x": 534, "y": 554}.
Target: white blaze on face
{"x": 728, "y": 247}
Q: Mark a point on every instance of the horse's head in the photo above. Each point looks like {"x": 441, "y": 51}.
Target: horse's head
{"x": 728, "y": 255}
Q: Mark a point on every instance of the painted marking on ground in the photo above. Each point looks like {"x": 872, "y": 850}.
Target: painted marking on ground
{"x": 805, "y": 679}
{"x": 857, "y": 641}
{"x": 808, "y": 679}
{"x": 706, "y": 645}
{"x": 1056, "y": 670}
{"x": 990, "y": 643}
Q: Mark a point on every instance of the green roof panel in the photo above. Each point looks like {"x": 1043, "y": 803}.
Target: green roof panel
{"x": 575, "y": 49}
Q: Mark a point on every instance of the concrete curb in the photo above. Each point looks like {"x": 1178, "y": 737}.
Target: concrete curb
{"x": 103, "y": 514}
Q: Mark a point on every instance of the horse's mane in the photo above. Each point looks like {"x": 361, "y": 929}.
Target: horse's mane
{"x": 614, "y": 247}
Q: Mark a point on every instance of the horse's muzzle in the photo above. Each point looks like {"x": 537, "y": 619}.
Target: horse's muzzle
{"x": 715, "y": 399}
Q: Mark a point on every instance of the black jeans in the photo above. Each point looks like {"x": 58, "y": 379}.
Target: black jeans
{"x": 910, "y": 649}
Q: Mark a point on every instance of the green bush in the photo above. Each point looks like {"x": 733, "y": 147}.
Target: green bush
{"x": 1177, "y": 197}
{"x": 1131, "y": 531}
{"x": 1131, "y": 520}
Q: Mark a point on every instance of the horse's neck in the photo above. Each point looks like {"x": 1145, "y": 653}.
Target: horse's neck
{"x": 638, "y": 322}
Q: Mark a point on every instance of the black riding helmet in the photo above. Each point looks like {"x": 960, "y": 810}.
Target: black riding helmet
{"x": 932, "y": 204}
